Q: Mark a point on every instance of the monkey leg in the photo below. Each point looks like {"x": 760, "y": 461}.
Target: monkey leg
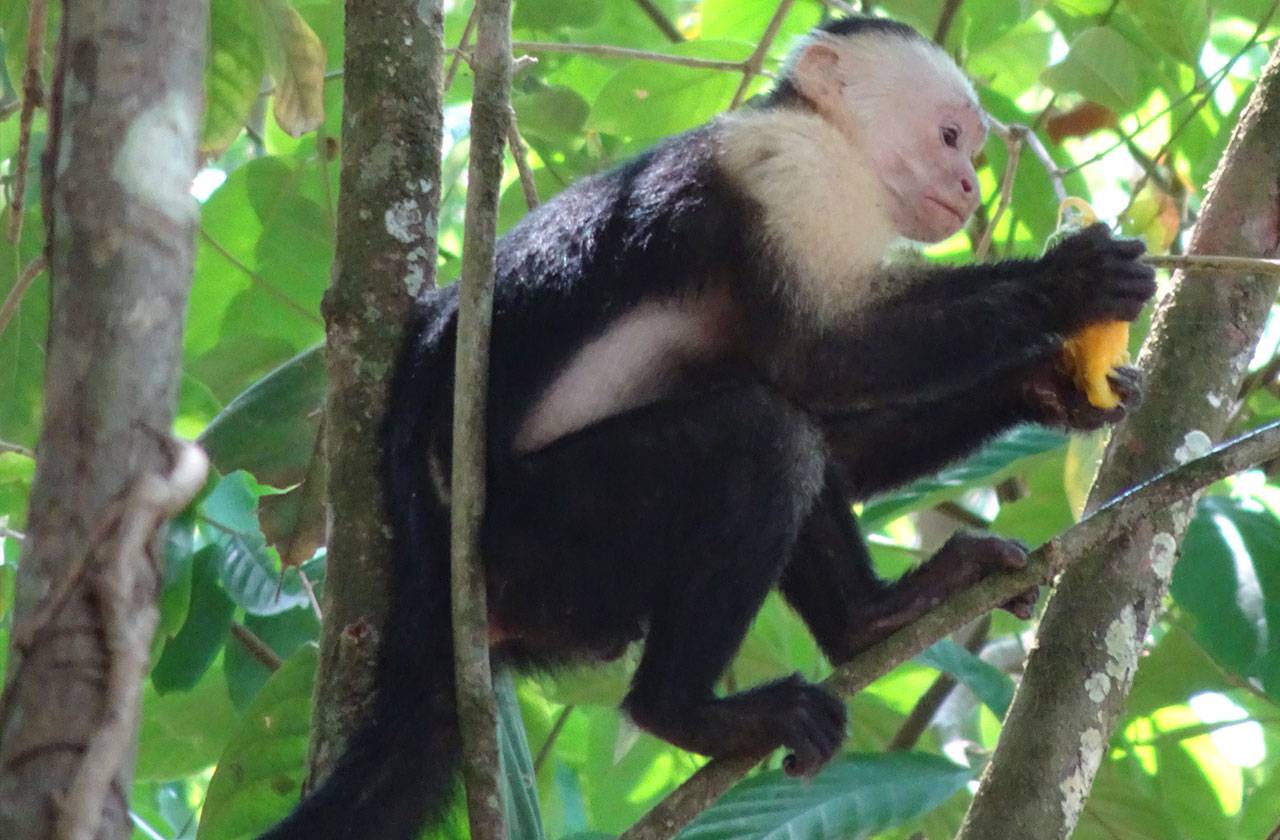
{"x": 678, "y": 518}
{"x": 831, "y": 584}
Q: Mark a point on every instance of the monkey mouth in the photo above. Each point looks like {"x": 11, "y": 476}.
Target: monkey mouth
{"x": 960, "y": 217}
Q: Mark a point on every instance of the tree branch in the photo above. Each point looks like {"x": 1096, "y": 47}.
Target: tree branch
{"x": 477, "y": 711}
{"x": 1104, "y": 525}
{"x": 607, "y": 51}
{"x": 661, "y": 21}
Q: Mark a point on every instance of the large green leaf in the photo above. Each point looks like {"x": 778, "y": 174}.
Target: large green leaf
{"x": 183, "y": 732}
{"x": 1101, "y": 66}
{"x": 1179, "y": 27}
{"x": 260, "y": 772}
{"x": 195, "y": 646}
{"x": 284, "y": 633}
{"x": 233, "y": 73}
{"x": 987, "y": 467}
{"x": 855, "y": 797}
{"x": 1228, "y": 581}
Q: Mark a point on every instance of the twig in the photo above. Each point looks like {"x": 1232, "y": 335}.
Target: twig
{"x": 751, "y": 67}
{"x": 463, "y": 43}
{"x": 311, "y": 594}
{"x": 255, "y": 647}
{"x": 477, "y": 712}
{"x": 1013, "y": 137}
{"x": 1027, "y": 134}
{"x": 661, "y": 21}
{"x": 127, "y": 630}
{"x": 32, "y": 98}
{"x": 1214, "y": 263}
{"x": 1106, "y": 524}
{"x": 14, "y": 299}
{"x": 520, "y": 152}
{"x": 10, "y": 534}
{"x": 5, "y": 446}
{"x": 545, "y": 749}
{"x": 927, "y": 706}
{"x": 607, "y": 51}
{"x": 945, "y": 19}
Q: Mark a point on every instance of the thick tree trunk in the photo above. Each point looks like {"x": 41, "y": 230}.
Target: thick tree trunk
{"x": 1081, "y": 669}
{"x": 386, "y": 256}
{"x": 124, "y": 120}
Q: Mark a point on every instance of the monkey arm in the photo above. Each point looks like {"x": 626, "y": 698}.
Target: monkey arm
{"x": 951, "y": 329}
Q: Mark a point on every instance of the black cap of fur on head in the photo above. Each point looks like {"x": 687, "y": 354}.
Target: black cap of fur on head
{"x": 784, "y": 93}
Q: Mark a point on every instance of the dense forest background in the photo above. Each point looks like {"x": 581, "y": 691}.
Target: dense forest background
{"x": 1133, "y": 103}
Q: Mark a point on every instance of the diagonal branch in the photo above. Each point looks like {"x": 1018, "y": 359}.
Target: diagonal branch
{"x": 1102, "y": 526}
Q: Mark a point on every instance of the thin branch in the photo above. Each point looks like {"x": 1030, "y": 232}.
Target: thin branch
{"x": 32, "y": 98}
{"x": 6, "y": 446}
{"x": 260, "y": 281}
{"x": 255, "y": 647}
{"x": 311, "y": 594}
{"x": 520, "y": 152}
{"x": 463, "y": 43}
{"x": 661, "y": 21}
{"x": 607, "y": 51}
{"x": 1214, "y": 263}
{"x": 945, "y": 19}
{"x": 1013, "y": 137}
{"x": 545, "y": 749}
{"x": 477, "y": 712}
{"x": 1104, "y": 525}
{"x": 10, "y": 534}
{"x": 751, "y": 68}
{"x": 14, "y": 299}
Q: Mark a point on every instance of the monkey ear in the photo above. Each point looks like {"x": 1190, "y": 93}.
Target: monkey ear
{"x": 816, "y": 74}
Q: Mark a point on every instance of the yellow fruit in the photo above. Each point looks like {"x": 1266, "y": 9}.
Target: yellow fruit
{"x": 1090, "y": 355}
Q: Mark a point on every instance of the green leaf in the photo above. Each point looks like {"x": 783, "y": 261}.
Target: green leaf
{"x": 855, "y": 797}
{"x": 260, "y": 772}
{"x": 270, "y": 429}
{"x": 1228, "y": 580}
{"x": 551, "y": 15}
{"x": 22, "y": 343}
{"x": 987, "y": 467}
{"x": 988, "y": 683}
{"x": 183, "y": 732}
{"x": 1179, "y": 27}
{"x": 518, "y": 781}
{"x": 283, "y": 633}
{"x": 1102, "y": 66}
{"x": 233, "y": 74}
{"x": 646, "y": 100}
{"x": 190, "y": 653}
{"x": 250, "y": 570}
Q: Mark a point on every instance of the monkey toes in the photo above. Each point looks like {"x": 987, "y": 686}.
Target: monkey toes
{"x": 807, "y": 719}
{"x": 979, "y": 555}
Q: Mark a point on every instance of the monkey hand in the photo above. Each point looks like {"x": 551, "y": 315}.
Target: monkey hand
{"x": 1093, "y": 277}
{"x": 1054, "y": 399}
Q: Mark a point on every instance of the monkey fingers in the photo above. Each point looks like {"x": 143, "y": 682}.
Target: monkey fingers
{"x": 1055, "y": 399}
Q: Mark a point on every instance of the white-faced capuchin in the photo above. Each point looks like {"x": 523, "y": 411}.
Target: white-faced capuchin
{"x": 700, "y": 359}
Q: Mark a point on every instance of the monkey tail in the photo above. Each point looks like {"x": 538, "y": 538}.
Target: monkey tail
{"x": 399, "y": 770}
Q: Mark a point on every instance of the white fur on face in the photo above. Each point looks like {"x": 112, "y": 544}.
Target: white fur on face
{"x": 825, "y": 212}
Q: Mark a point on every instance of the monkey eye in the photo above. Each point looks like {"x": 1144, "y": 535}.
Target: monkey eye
{"x": 951, "y": 136}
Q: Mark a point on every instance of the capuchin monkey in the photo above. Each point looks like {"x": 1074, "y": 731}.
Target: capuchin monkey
{"x": 700, "y": 360}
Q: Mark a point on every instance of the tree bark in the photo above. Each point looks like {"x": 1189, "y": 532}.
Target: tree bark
{"x": 1081, "y": 669}
{"x": 386, "y": 257}
{"x": 124, "y": 120}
